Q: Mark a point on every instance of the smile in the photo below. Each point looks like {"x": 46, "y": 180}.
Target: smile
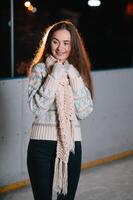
{"x": 60, "y": 53}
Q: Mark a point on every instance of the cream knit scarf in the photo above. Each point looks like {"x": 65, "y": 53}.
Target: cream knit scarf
{"x": 65, "y": 137}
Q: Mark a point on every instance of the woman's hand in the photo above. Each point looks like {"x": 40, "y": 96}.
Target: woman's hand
{"x": 50, "y": 61}
{"x": 58, "y": 70}
{"x": 71, "y": 71}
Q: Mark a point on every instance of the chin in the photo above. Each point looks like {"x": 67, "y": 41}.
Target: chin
{"x": 61, "y": 59}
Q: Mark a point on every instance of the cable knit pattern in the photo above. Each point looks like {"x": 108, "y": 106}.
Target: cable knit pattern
{"x": 65, "y": 144}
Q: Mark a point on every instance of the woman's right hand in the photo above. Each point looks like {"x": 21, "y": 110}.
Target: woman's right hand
{"x": 55, "y": 66}
{"x": 50, "y": 61}
{"x": 58, "y": 70}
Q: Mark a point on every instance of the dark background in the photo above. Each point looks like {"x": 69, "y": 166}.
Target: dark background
{"x": 106, "y": 30}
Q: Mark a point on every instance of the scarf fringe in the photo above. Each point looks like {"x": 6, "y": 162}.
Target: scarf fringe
{"x": 60, "y": 183}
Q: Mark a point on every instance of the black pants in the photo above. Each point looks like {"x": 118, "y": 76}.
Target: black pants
{"x": 40, "y": 162}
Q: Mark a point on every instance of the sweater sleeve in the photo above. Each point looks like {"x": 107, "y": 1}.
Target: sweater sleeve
{"x": 41, "y": 89}
{"x": 82, "y": 98}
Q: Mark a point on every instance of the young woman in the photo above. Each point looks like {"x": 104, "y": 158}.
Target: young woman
{"x": 59, "y": 95}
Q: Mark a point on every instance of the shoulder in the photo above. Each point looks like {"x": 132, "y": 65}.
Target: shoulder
{"x": 40, "y": 68}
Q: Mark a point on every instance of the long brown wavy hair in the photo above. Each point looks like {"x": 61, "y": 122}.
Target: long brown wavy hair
{"x": 78, "y": 56}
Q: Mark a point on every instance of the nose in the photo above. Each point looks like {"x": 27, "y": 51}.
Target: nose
{"x": 60, "y": 47}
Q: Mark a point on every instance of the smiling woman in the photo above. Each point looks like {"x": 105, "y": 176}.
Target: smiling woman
{"x": 61, "y": 45}
{"x": 59, "y": 95}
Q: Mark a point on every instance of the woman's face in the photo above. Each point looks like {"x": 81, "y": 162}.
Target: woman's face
{"x": 61, "y": 45}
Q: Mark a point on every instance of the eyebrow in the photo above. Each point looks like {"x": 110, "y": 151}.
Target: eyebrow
{"x": 58, "y": 40}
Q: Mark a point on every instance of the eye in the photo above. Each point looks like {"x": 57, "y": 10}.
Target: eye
{"x": 66, "y": 43}
{"x": 54, "y": 41}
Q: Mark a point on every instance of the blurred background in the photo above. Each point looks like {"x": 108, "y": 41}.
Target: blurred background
{"x": 105, "y": 25}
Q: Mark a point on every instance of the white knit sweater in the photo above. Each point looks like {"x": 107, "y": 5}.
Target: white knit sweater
{"x": 41, "y": 97}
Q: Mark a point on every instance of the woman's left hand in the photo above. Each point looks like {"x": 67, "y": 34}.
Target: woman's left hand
{"x": 71, "y": 71}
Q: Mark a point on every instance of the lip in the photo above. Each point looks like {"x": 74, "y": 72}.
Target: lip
{"x": 60, "y": 53}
